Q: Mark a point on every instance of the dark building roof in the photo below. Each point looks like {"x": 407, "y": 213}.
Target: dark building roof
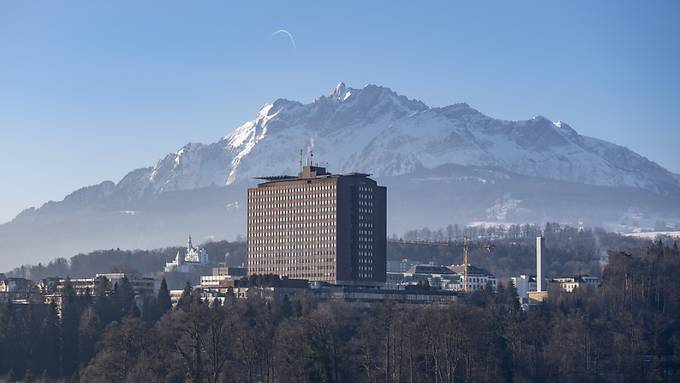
{"x": 472, "y": 270}
{"x": 308, "y": 172}
{"x": 430, "y": 269}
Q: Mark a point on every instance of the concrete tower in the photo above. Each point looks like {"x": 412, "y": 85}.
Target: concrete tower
{"x": 540, "y": 241}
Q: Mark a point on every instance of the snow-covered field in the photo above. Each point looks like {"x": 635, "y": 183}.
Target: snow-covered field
{"x": 654, "y": 234}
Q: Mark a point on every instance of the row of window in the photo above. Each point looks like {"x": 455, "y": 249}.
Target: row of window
{"x": 299, "y": 218}
{"x": 270, "y": 268}
{"x": 299, "y": 189}
{"x": 316, "y": 258}
{"x": 299, "y": 255}
{"x": 298, "y": 235}
{"x": 272, "y": 202}
{"x": 329, "y": 197}
{"x": 315, "y": 243}
{"x": 286, "y": 265}
{"x": 285, "y": 226}
{"x": 305, "y": 213}
{"x": 288, "y": 217}
{"x": 311, "y": 245}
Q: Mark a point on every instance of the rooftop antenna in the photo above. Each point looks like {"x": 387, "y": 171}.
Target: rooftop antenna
{"x": 311, "y": 157}
{"x": 301, "y": 156}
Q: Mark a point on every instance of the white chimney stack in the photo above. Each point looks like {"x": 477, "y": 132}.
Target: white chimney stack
{"x": 539, "y": 274}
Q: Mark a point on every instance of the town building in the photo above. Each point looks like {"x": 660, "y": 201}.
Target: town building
{"x": 524, "y": 284}
{"x": 569, "y": 284}
{"x": 478, "y": 278}
{"x": 17, "y": 290}
{"x": 318, "y": 226}
{"x": 189, "y": 260}
{"x": 441, "y": 278}
{"x": 435, "y": 277}
{"x": 51, "y": 288}
{"x": 222, "y": 277}
{"x": 399, "y": 265}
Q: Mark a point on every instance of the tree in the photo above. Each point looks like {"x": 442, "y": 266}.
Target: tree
{"x": 124, "y": 298}
{"x": 120, "y": 350}
{"x": 184, "y": 302}
{"x": 88, "y": 333}
{"x": 49, "y": 350}
{"x": 163, "y": 301}
{"x": 70, "y": 320}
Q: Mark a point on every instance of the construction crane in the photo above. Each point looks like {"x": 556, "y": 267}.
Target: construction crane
{"x": 466, "y": 252}
{"x": 466, "y": 256}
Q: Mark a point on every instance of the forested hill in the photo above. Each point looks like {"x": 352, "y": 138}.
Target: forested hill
{"x": 568, "y": 251}
{"x": 113, "y": 260}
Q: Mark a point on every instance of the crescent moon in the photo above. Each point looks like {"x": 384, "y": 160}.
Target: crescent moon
{"x": 290, "y": 37}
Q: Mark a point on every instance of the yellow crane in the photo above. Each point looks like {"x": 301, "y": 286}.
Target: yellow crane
{"x": 466, "y": 252}
{"x": 466, "y": 255}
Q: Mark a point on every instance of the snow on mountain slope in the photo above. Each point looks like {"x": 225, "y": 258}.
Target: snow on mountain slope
{"x": 375, "y": 130}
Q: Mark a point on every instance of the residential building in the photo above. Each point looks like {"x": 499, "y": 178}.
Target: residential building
{"x": 524, "y": 284}
{"x": 222, "y": 277}
{"x": 318, "y": 226}
{"x": 569, "y": 284}
{"x": 435, "y": 277}
{"x": 51, "y": 288}
{"x": 17, "y": 290}
{"x": 399, "y": 265}
{"x": 478, "y": 278}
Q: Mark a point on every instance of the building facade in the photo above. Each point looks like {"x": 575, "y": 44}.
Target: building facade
{"x": 193, "y": 257}
{"x": 569, "y": 284}
{"x": 17, "y": 290}
{"x": 478, "y": 278}
{"x": 524, "y": 284}
{"x": 435, "y": 277}
{"x": 318, "y": 226}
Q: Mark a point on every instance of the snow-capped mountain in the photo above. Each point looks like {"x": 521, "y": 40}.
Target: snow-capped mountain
{"x": 377, "y": 131}
{"x": 451, "y": 164}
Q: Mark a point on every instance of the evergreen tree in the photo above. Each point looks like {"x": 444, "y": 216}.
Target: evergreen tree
{"x": 103, "y": 304}
{"x": 49, "y": 345}
{"x": 88, "y": 333}
{"x": 70, "y": 320}
{"x": 184, "y": 302}
{"x": 125, "y": 298}
{"x": 163, "y": 301}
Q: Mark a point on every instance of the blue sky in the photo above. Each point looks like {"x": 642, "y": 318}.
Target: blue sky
{"x": 92, "y": 89}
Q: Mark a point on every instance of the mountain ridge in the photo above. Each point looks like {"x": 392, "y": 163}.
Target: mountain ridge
{"x": 453, "y": 163}
{"x": 225, "y": 162}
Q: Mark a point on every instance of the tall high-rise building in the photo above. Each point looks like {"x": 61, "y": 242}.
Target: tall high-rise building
{"x": 318, "y": 226}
